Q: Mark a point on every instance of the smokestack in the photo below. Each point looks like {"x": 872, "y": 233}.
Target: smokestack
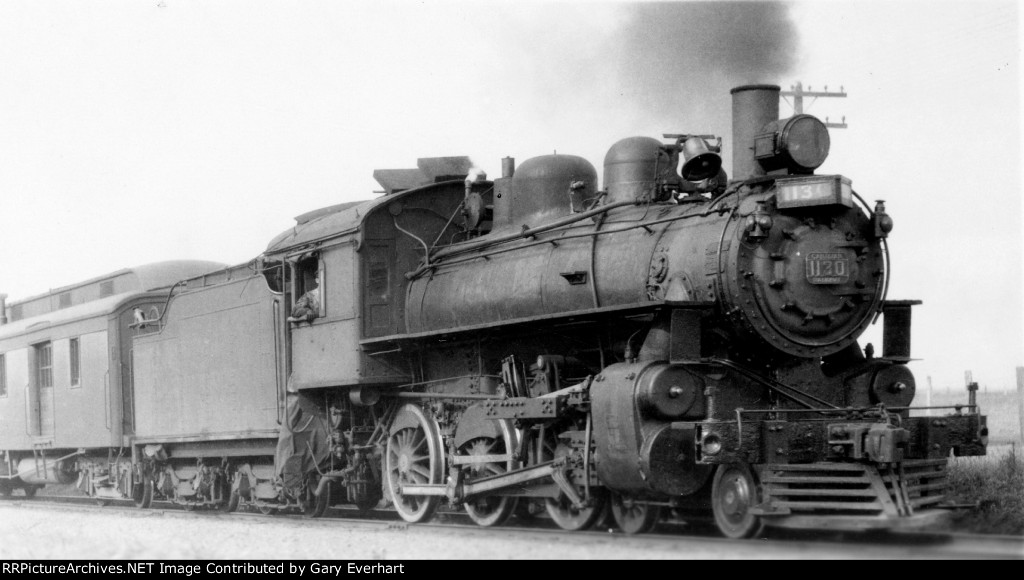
{"x": 3, "y": 309}
{"x": 753, "y": 107}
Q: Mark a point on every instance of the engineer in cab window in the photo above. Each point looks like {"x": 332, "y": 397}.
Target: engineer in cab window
{"x": 307, "y": 307}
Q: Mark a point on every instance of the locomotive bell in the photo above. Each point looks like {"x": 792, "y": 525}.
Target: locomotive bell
{"x": 701, "y": 162}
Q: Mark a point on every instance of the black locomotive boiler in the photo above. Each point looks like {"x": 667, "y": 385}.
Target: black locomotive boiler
{"x": 667, "y": 340}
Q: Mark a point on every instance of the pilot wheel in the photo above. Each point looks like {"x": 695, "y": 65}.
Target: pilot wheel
{"x": 734, "y": 492}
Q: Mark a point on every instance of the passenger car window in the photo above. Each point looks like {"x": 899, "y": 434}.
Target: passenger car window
{"x": 3, "y": 375}
{"x": 74, "y": 355}
{"x": 44, "y": 365}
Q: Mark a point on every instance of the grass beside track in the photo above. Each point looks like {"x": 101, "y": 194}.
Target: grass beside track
{"x": 996, "y": 483}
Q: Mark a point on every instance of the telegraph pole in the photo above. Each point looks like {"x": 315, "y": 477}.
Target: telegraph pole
{"x": 1020, "y": 404}
{"x": 798, "y": 93}
{"x": 928, "y": 402}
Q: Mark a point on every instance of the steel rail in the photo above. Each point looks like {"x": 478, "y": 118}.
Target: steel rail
{"x": 936, "y": 544}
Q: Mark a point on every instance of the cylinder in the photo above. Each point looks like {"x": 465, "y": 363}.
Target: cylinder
{"x": 753, "y": 107}
{"x": 670, "y": 392}
{"x": 47, "y": 471}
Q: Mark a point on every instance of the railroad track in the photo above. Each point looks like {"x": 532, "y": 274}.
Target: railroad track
{"x": 668, "y": 535}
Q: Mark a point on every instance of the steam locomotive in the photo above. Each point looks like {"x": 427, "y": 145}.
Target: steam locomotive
{"x": 672, "y": 342}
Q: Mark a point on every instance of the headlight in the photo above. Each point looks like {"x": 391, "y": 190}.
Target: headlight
{"x": 799, "y": 144}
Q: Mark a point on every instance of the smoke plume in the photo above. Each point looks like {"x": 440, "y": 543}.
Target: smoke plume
{"x": 648, "y": 68}
{"x": 673, "y": 52}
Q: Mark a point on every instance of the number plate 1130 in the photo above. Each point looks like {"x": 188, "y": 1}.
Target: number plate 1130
{"x": 827, "y": 268}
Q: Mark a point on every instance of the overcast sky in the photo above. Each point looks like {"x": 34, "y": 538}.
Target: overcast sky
{"x": 146, "y": 130}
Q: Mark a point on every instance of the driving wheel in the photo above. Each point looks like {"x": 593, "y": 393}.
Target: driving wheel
{"x": 491, "y": 510}
{"x": 414, "y": 456}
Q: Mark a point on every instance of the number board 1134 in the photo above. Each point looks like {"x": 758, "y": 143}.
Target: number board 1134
{"x": 813, "y": 191}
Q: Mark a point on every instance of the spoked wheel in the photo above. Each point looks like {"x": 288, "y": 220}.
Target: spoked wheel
{"x": 142, "y": 494}
{"x": 569, "y": 518}
{"x": 365, "y": 492}
{"x": 30, "y": 491}
{"x": 414, "y": 456}
{"x": 267, "y": 509}
{"x": 734, "y": 492}
{"x": 493, "y": 510}
{"x": 632, "y": 516}
{"x": 313, "y": 505}
{"x": 561, "y": 510}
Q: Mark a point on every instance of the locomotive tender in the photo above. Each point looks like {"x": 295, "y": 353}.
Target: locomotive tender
{"x": 533, "y": 343}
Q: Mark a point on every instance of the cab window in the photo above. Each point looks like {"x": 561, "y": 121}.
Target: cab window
{"x": 308, "y": 295}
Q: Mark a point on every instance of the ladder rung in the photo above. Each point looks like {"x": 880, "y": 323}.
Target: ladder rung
{"x": 823, "y": 492}
{"x": 815, "y": 467}
{"x": 826, "y": 505}
{"x": 816, "y": 479}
